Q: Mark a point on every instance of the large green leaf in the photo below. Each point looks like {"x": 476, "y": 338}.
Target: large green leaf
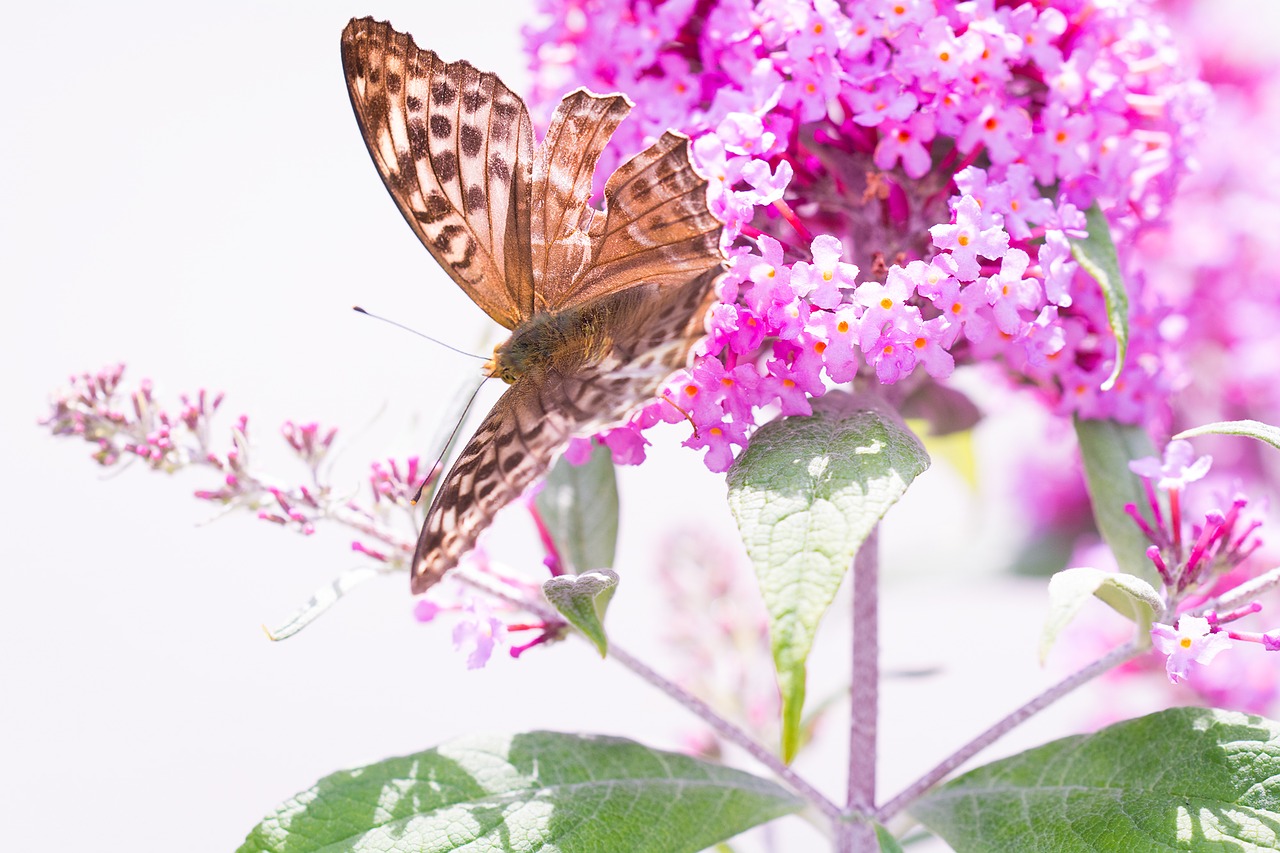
{"x": 1107, "y": 448}
{"x": 579, "y": 506}
{"x": 1184, "y": 779}
{"x": 541, "y": 791}
{"x": 805, "y": 494}
{"x": 1096, "y": 255}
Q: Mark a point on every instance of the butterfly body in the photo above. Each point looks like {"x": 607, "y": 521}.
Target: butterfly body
{"x": 602, "y": 304}
{"x": 575, "y": 335}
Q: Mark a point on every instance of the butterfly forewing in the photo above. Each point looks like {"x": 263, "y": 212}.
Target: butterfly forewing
{"x": 651, "y": 331}
{"x": 454, "y": 147}
{"x": 563, "y": 172}
{"x": 605, "y": 304}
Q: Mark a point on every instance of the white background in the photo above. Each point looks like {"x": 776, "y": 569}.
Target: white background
{"x": 188, "y": 193}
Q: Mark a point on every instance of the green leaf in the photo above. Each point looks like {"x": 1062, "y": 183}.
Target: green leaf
{"x": 579, "y": 506}
{"x": 1183, "y": 779}
{"x": 1096, "y": 255}
{"x": 805, "y": 494}
{"x": 1131, "y": 597}
{"x": 888, "y": 844}
{"x": 583, "y": 599}
{"x": 1252, "y": 429}
{"x": 542, "y": 791}
{"x": 1107, "y": 448}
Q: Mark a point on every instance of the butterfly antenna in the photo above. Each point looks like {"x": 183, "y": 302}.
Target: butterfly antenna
{"x": 431, "y": 472}
{"x": 360, "y": 310}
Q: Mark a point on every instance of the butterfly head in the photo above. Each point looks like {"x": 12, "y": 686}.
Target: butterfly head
{"x": 501, "y": 366}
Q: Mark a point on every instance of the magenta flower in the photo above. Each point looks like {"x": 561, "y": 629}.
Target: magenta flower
{"x": 857, "y": 135}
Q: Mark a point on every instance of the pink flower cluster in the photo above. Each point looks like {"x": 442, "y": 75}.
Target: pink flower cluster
{"x": 1217, "y": 254}
{"x": 89, "y": 408}
{"x": 1207, "y": 585}
{"x": 900, "y": 183}
{"x": 385, "y": 521}
{"x": 92, "y": 408}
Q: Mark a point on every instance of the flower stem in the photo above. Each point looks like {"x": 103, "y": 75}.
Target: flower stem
{"x": 1112, "y": 659}
{"x": 863, "y": 698}
{"x": 1245, "y": 591}
{"x": 729, "y": 732}
{"x": 864, "y": 689}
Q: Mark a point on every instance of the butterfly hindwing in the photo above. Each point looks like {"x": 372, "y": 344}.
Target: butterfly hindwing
{"x": 454, "y": 147}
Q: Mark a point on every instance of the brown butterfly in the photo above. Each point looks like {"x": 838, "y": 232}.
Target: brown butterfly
{"x": 602, "y": 305}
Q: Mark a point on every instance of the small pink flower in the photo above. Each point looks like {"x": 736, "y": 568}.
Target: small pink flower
{"x": 1177, "y": 469}
{"x": 1192, "y": 641}
{"x": 967, "y": 239}
{"x": 476, "y": 634}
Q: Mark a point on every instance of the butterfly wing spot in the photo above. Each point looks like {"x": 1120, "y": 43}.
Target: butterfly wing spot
{"x": 435, "y": 208}
{"x": 503, "y": 118}
{"x": 445, "y": 238}
{"x": 445, "y": 165}
{"x": 510, "y": 461}
{"x": 443, "y": 92}
{"x": 499, "y": 169}
{"x": 417, "y": 137}
{"x": 470, "y": 140}
{"x": 445, "y": 241}
{"x": 441, "y": 127}
{"x": 640, "y": 190}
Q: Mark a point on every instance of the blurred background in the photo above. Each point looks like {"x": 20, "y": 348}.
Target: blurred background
{"x": 188, "y": 193}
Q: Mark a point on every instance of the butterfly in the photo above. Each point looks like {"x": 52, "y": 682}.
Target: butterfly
{"x": 603, "y": 305}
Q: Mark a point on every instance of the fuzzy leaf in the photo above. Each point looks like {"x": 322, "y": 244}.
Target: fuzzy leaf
{"x": 1252, "y": 429}
{"x": 1096, "y": 255}
{"x": 805, "y": 494}
{"x": 542, "y": 791}
{"x": 1107, "y": 448}
{"x": 1131, "y": 597}
{"x": 579, "y": 506}
{"x": 1182, "y": 779}
{"x": 583, "y": 599}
